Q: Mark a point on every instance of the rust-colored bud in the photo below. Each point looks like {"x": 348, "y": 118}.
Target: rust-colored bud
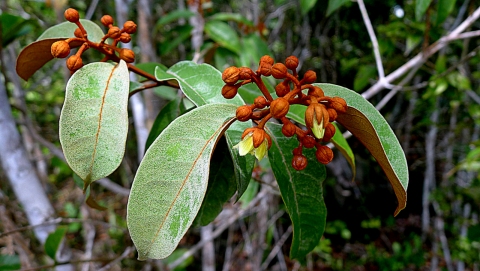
{"x": 338, "y": 104}
{"x": 282, "y": 89}
{"x": 72, "y": 15}
{"x": 106, "y": 20}
{"x": 130, "y": 27}
{"x": 245, "y": 73}
{"x": 309, "y": 77}
{"x": 260, "y": 102}
{"x": 289, "y": 129}
{"x": 316, "y": 92}
{"x": 114, "y": 32}
{"x": 244, "y": 113}
{"x": 279, "y": 107}
{"x": 60, "y": 49}
{"x": 258, "y": 137}
{"x": 308, "y": 141}
{"x": 78, "y": 33}
{"x": 127, "y": 55}
{"x": 329, "y": 132}
{"x": 291, "y": 62}
{"x": 324, "y": 154}
{"x": 74, "y": 63}
{"x": 332, "y": 114}
{"x": 299, "y": 162}
{"x": 231, "y": 75}
{"x": 279, "y": 71}
{"x": 125, "y": 37}
{"x": 247, "y": 131}
{"x": 265, "y": 69}
{"x": 266, "y": 59}
{"x": 229, "y": 91}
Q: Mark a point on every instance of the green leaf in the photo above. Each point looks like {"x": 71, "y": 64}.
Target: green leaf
{"x": 301, "y": 191}
{"x": 421, "y": 7}
{"x": 221, "y": 184}
{"x": 174, "y": 16}
{"x": 178, "y": 35}
{"x": 253, "y": 49}
{"x": 172, "y": 178}
{"x": 445, "y": 7}
{"x": 53, "y": 241}
{"x": 13, "y": 27}
{"x": 371, "y": 128}
{"x": 38, "y": 53}
{"x": 202, "y": 84}
{"x": 10, "y": 262}
{"x": 334, "y": 5}
{"x": 342, "y": 145}
{"x": 226, "y": 16}
{"x": 167, "y": 114}
{"x": 94, "y": 120}
{"x": 363, "y": 77}
{"x": 306, "y": 5}
{"x": 224, "y": 35}
{"x": 150, "y": 67}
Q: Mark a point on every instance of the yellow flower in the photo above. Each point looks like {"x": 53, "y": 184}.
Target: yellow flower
{"x": 247, "y": 144}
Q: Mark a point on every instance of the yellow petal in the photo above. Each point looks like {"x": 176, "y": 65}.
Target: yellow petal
{"x": 317, "y": 129}
{"x": 246, "y": 145}
{"x": 261, "y": 150}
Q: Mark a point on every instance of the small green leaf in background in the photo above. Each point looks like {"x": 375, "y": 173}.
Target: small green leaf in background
{"x": 367, "y": 124}
{"x": 445, "y": 7}
{"x": 421, "y": 7}
{"x": 150, "y": 68}
{"x": 224, "y": 35}
{"x": 307, "y": 5}
{"x": 174, "y": 16}
{"x": 236, "y": 17}
{"x": 54, "y": 240}
{"x": 202, "y": 84}
{"x": 221, "y": 184}
{"x": 253, "y": 48}
{"x": 175, "y": 256}
{"x": 172, "y": 179}
{"x": 167, "y": 114}
{"x": 10, "y": 262}
{"x": 364, "y": 76}
{"x": 97, "y": 98}
{"x": 301, "y": 191}
{"x": 177, "y": 36}
{"x": 334, "y": 5}
{"x": 13, "y": 27}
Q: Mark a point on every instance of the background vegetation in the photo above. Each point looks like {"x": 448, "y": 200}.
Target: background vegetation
{"x": 433, "y": 105}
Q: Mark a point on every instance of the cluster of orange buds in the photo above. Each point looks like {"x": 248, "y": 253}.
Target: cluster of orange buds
{"x": 321, "y": 110}
{"x": 61, "y": 49}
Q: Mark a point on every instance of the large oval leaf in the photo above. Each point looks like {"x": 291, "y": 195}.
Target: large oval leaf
{"x": 38, "y": 53}
{"x": 94, "y": 120}
{"x": 172, "y": 178}
{"x": 301, "y": 191}
{"x": 202, "y": 84}
{"x": 224, "y": 35}
{"x": 367, "y": 124}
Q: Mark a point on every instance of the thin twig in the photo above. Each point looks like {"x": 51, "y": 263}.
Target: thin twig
{"x": 124, "y": 255}
{"x": 276, "y": 248}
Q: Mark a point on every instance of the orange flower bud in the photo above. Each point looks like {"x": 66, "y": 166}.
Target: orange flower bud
{"x": 244, "y": 113}
{"x": 282, "y": 89}
{"x": 279, "y": 71}
{"x": 125, "y": 37}
{"x": 299, "y": 162}
{"x": 316, "y": 92}
{"x": 332, "y": 114}
{"x": 258, "y": 137}
{"x": 289, "y": 129}
{"x": 72, "y": 15}
{"x": 114, "y": 32}
{"x": 74, "y": 63}
{"x": 279, "y": 107}
{"x": 329, "y": 132}
{"x": 309, "y": 77}
{"x": 130, "y": 27}
{"x": 324, "y": 154}
{"x": 60, "y": 49}
{"x": 106, "y": 20}
{"x": 260, "y": 102}
{"x": 245, "y": 73}
{"x": 316, "y": 118}
{"x": 78, "y": 33}
{"x": 291, "y": 62}
{"x": 308, "y": 141}
{"x": 229, "y": 91}
{"x": 127, "y": 55}
{"x": 265, "y": 69}
{"x": 231, "y": 75}
{"x": 338, "y": 104}
{"x": 266, "y": 59}
{"x": 248, "y": 131}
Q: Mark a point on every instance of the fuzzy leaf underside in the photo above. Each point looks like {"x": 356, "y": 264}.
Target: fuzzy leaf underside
{"x": 172, "y": 178}
{"x": 94, "y": 120}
